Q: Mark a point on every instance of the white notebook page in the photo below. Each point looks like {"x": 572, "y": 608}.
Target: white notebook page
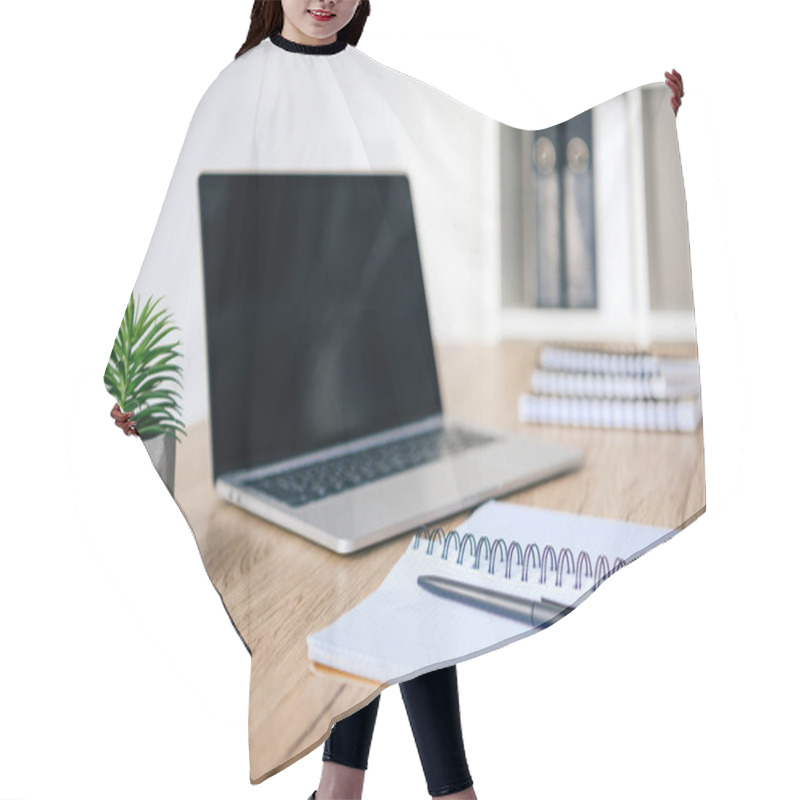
{"x": 401, "y": 630}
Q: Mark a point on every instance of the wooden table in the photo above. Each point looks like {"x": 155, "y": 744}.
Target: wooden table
{"x": 278, "y": 587}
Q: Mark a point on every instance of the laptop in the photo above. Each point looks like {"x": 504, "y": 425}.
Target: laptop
{"x": 325, "y": 411}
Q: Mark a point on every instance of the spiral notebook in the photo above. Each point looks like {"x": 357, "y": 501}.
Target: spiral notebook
{"x": 610, "y": 362}
{"x": 613, "y": 389}
{"x": 401, "y": 630}
{"x": 681, "y": 415}
{"x": 613, "y": 385}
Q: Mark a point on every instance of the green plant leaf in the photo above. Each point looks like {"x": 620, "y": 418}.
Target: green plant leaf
{"x": 142, "y": 364}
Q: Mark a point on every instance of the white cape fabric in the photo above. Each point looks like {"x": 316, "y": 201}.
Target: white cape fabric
{"x": 290, "y": 110}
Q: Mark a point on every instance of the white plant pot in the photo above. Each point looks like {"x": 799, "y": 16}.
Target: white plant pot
{"x": 161, "y": 450}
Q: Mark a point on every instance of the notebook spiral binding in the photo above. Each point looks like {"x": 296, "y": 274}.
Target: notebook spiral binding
{"x": 529, "y": 558}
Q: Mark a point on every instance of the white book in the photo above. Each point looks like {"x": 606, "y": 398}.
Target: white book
{"x": 681, "y": 415}
{"x": 401, "y": 630}
{"x": 567, "y": 359}
{"x": 632, "y": 387}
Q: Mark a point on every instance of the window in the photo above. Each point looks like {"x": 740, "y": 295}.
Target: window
{"x": 594, "y": 239}
{"x": 558, "y": 206}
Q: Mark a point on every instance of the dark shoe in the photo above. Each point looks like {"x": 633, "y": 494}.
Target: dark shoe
{"x": 313, "y": 795}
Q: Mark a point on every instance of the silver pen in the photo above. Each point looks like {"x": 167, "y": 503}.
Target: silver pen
{"x": 534, "y": 613}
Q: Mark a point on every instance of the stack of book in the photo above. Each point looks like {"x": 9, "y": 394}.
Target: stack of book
{"x": 603, "y": 389}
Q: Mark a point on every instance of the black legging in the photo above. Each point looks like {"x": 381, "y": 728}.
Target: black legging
{"x": 432, "y": 706}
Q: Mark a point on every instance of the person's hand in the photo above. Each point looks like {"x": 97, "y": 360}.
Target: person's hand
{"x": 124, "y": 420}
{"x": 675, "y": 82}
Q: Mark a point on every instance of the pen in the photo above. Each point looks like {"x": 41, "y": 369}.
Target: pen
{"x": 535, "y": 613}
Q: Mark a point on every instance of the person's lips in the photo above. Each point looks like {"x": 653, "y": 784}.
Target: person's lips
{"x": 321, "y": 15}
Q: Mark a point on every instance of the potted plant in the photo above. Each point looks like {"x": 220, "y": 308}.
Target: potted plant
{"x": 139, "y": 371}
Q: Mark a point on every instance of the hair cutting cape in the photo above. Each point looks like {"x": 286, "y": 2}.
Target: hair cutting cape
{"x": 286, "y": 312}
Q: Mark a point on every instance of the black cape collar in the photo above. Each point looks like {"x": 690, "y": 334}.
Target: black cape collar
{"x": 308, "y": 49}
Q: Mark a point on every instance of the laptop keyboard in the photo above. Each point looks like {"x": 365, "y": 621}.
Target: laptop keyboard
{"x": 305, "y": 484}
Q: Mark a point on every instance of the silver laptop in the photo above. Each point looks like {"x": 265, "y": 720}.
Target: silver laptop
{"x": 326, "y": 414}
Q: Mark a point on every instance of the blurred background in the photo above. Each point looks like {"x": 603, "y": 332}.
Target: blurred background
{"x": 576, "y": 232}
{"x": 594, "y": 237}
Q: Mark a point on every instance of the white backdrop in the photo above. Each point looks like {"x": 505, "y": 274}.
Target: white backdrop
{"x": 120, "y": 675}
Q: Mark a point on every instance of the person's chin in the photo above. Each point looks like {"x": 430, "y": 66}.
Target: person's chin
{"x": 319, "y": 31}
{"x": 317, "y": 36}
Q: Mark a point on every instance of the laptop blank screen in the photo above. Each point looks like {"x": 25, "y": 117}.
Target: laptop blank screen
{"x": 316, "y": 319}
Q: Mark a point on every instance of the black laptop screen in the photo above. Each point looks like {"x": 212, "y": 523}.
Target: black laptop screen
{"x": 316, "y": 319}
